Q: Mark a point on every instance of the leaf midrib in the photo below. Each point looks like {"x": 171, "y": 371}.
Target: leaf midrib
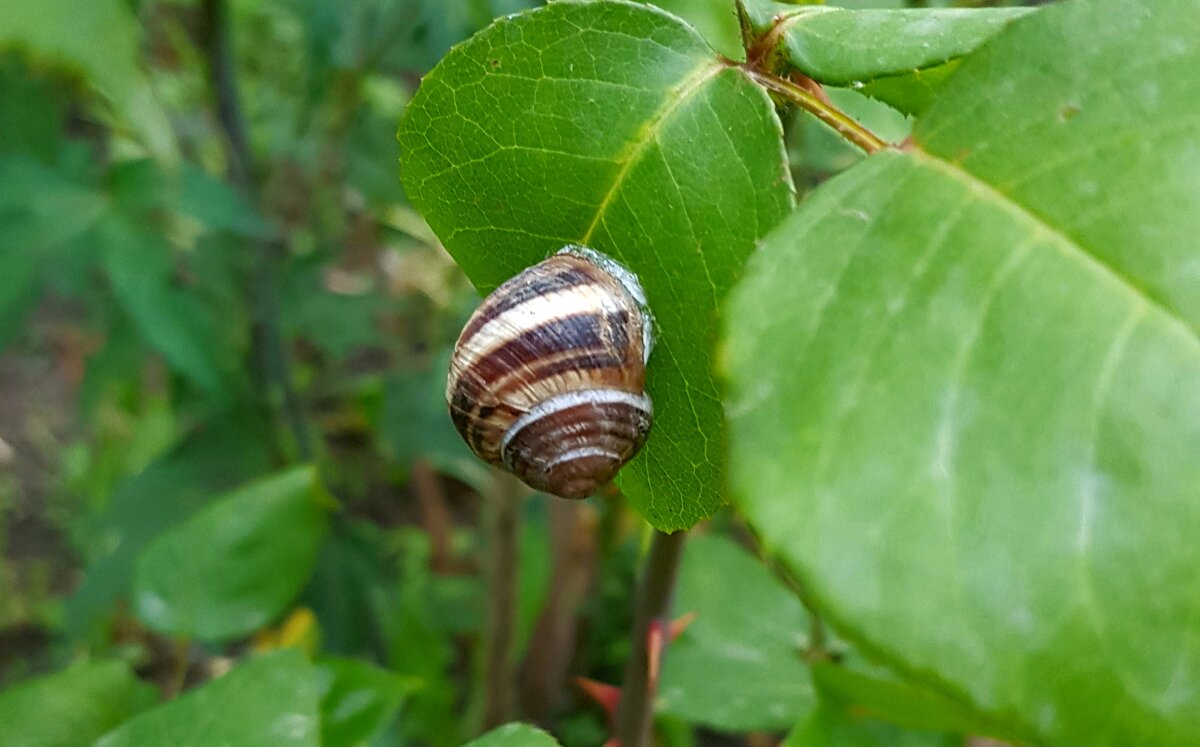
{"x": 1070, "y": 245}
{"x": 678, "y": 96}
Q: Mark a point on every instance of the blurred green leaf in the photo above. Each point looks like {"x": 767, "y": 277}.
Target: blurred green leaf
{"x": 72, "y": 708}
{"x": 236, "y": 565}
{"x": 830, "y": 724}
{"x": 98, "y": 39}
{"x": 336, "y": 323}
{"x": 32, "y": 112}
{"x": 514, "y": 735}
{"x": 41, "y": 209}
{"x": 266, "y": 700}
{"x": 416, "y": 424}
{"x": 44, "y": 207}
{"x": 358, "y": 701}
{"x": 875, "y": 693}
{"x": 965, "y": 383}
{"x": 350, "y": 588}
{"x": 18, "y": 288}
{"x": 174, "y": 321}
{"x": 420, "y": 646}
{"x": 535, "y": 566}
{"x": 217, "y": 205}
{"x": 227, "y": 451}
{"x": 615, "y": 126}
{"x": 716, "y": 20}
{"x": 739, "y": 666}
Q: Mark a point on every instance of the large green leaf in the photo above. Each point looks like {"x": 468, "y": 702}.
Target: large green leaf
{"x": 237, "y": 564}
{"x": 739, "y": 666}
{"x": 514, "y": 735}
{"x": 73, "y": 707}
{"x": 268, "y": 700}
{"x": 613, "y": 125}
{"x": 901, "y": 56}
{"x": 965, "y": 383}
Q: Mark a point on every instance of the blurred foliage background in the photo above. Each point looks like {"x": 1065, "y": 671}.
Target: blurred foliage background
{"x": 208, "y": 275}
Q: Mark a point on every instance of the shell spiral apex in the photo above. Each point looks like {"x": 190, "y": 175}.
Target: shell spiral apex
{"x": 548, "y": 377}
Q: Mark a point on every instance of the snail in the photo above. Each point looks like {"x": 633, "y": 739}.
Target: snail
{"x": 548, "y": 377}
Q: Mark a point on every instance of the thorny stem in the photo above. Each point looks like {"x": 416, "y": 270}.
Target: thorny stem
{"x": 635, "y": 714}
{"x": 820, "y": 108}
{"x": 271, "y": 351}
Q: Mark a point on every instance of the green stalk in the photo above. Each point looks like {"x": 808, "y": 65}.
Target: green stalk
{"x": 635, "y": 714}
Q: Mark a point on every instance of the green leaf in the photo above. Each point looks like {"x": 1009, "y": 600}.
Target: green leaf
{"x": 98, "y": 39}
{"x": 41, "y": 209}
{"x": 965, "y": 383}
{"x": 843, "y": 47}
{"x": 514, "y": 735}
{"x": 176, "y": 322}
{"x": 415, "y": 425}
{"x": 216, "y": 204}
{"x": 237, "y": 564}
{"x": 267, "y": 700}
{"x": 899, "y": 56}
{"x": 32, "y": 112}
{"x": 612, "y": 125}
{"x": 72, "y": 707}
{"x": 912, "y": 93}
{"x": 218, "y": 455}
{"x": 830, "y": 724}
{"x": 739, "y": 666}
{"x": 358, "y": 701}
{"x": 870, "y": 691}
{"x": 716, "y": 20}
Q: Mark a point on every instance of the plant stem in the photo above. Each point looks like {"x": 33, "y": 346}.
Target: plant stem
{"x": 222, "y": 77}
{"x": 635, "y": 715}
{"x": 439, "y": 525}
{"x": 271, "y": 352}
{"x": 502, "y": 509}
{"x": 838, "y": 120}
{"x": 556, "y": 633}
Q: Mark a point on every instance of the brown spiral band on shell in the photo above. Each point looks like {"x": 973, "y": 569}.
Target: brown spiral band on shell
{"x": 547, "y": 379}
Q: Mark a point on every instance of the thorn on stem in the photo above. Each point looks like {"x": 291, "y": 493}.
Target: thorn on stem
{"x": 607, "y": 696}
{"x": 680, "y": 624}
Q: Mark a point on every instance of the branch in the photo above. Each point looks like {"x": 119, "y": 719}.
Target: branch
{"x": 502, "y": 517}
{"x": 274, "y": 366}
{"x": 556, "y": 633}
{"x": 821, "y": 108}
{"x": 651, "y": 621}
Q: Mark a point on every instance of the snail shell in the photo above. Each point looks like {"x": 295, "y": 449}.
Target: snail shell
{"x": 548, "y": 377}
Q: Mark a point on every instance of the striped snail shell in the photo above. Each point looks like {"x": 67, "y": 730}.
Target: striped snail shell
{"x": 548, "y": 377}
